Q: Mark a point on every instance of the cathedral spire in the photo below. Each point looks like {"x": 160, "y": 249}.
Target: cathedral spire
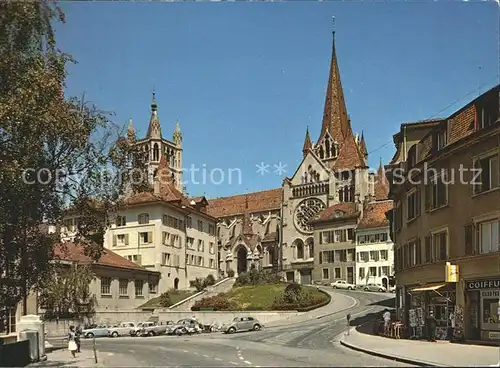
{"x": 335, "y": 118}
{"x": 154, "y": 129}
{"x": 131, "y": 131}
{"x": 307, "y": 143}
{"x": 247, "y": 224}
{"x": 177, "y": 136}
{"x": 362, "y": 145}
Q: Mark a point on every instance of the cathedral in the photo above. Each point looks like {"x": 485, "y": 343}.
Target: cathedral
{"x": 274, "y": 229}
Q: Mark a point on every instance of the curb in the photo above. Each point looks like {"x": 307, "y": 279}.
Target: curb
{"x": 396, "y": 358}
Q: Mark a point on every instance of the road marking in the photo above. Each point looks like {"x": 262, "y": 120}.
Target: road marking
{"x": 132, "y": 351}
{"x": 195, "y": 353}
{"x": 233, "y": 363}
{"x": 219, "y": 359}
{"x": 185, "y": 351}
{"x": 206, "y": 356}
{"x": 246, "y": 361}
{"x": 110, "y": 354}
{"x": 241, "y": 358}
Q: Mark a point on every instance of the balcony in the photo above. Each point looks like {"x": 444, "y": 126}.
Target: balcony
{"x": 309, "y": 189}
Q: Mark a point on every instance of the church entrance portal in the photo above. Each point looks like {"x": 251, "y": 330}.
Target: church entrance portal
{"x": 242, "y": 260}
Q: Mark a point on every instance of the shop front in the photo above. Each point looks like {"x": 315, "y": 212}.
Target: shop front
{"x": 482, "y": 309}
{"x": 438, "y": 298}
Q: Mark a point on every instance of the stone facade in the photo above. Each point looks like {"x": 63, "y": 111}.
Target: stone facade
{"x": 448, "y": 213}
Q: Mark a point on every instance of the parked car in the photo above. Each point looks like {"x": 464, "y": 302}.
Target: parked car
{"x": 242, "y": 324}
{"x": 341, "y": 284}
{"x": 375, "y": 287}
{"x": 123, "y": 329}
{"x": 97, "y": 331}
{"x": 140, "y": 326}
{"x": 392, "y": 289}
{"x": 152, "y": 330}
{"x": 184, "y": 326}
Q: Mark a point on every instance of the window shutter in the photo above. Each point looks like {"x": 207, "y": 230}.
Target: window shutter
{"x": 321, "y": 238}
{"x": 428, "y": 249}
{"x": 469, "y": 235}
{"x": 126, "y": 239}
{"x": 494, "y": 171}
{"x": 114, "y": 240}
{"x": 428, "y": 198}
{"x": 150, "y": 237}
{"x": 476, "y": 177}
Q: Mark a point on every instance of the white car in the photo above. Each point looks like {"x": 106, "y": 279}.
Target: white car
{"x": 392, "y": 289}
{"x": 341, "y": 284}
{"x": 123, "y": 329}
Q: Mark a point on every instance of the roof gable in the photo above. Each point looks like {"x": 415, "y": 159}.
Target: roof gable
{"x": 266, "y": 200}
{"x": 374, "y": 215}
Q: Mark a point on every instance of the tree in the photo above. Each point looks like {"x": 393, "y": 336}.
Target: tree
{"x": 56, "y": 152}
{"x": 66, "y": 293}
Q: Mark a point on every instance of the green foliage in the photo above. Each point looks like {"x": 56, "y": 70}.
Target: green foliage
{"x": 257, "y": 277}
{"x": 197, "y": 283}
{"x": 218, "y": 303}
{"x": 230, "y": 273}
{"x": 209, "y": 280}
{"x": 56, "y": 152}
{"x": 200, "y": 284}
{"x": 165, "y": 300}
{"x": 67, "y": 292}
{"x": 294, "y": 297}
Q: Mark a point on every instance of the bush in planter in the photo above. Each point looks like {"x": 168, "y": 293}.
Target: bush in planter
{"x": 292, "y": 293}
{"x": 217, "y": 302}
{"x": 242, "y": 279}
{"x": 165, "y": 300}
{"x": 230, "y": 273}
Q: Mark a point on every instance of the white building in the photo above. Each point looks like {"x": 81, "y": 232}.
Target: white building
{"x": 374, "y": 248}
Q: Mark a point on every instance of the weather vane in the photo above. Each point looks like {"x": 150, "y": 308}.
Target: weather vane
{"x": 333, "y": 24}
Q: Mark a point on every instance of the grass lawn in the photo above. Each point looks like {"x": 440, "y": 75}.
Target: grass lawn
{"x": 262, "y": 296}
{"x": 175, "y": 297}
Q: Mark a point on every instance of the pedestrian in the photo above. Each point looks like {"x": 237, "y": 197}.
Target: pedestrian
{"x": 431, "y": 326}
{"x": 387, "y": 321}
{"x": 452, "y": 326}
{"x": 78, "y": 334}
{"x": 72, "y": 347}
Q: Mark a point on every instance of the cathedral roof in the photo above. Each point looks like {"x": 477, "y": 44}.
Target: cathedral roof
{"x": 381, "y": 187}
{"x": 335, "y": 119}
{"x": 266, "y": 200}
{"x": 362, "y": 145}
{"x": 338, "y": 211}
{"x": 350, "y": 155}
{"x": 271, "y": 237}
{"x": 374, "y": 215}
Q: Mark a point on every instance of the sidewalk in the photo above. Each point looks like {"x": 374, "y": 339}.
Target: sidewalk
{"x": 63, "y": 358}
{"x": 423, "y": 353}
{"x": 338, "y": 303}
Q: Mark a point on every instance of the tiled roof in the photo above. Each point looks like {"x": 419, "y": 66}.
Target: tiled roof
{"x": 236, "y": 205}
{"x": 350, "y": 155}
{"x": 374, "y": 215}
{"x": 75, "y": 253}
{"x": 347, "y": 209}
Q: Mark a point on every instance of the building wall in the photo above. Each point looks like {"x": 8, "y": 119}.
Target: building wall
{"x": 377, "y": 247}
{"x": 168, "y": 250}
{"x": 114, "y": 299}
{"x": 318, "y": 275}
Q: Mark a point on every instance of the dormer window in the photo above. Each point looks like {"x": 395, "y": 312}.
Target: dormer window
{"x": 339, "y": 214}
{"x": 143, "y": 218}
{"x": 441, "y": 139}
{"x": 412, "y": 156}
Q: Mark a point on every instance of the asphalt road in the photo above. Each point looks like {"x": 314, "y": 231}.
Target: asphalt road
{"x": 307, "y": 344}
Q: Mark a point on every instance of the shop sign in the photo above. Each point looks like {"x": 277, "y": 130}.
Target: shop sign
{"x": 451, "y": 273}
{"x": 494, "y": 335}
{"x": 490, "y": 293}
{"x": 483, "y": 284}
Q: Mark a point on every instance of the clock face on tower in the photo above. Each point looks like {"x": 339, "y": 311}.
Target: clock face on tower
{"x": 305, "y": 212}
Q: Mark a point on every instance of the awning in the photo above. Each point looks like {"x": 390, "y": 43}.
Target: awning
{"x": 428, "y": 287}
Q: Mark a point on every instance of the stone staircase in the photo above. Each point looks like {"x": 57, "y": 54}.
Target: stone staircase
{"x": 220, "y": 287}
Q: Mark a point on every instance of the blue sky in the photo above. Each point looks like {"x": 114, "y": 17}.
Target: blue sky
{"x": 246, "y": 79}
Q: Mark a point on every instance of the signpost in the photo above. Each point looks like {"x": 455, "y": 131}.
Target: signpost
{"x": 451, "y": 273}
{"x": 348, "y": 317}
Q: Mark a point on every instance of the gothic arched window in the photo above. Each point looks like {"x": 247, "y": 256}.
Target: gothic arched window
{"x": 321, "y": 152}
{"x": 156, "y": 152}
{"x": 327, "y": 147}
{"x": 300, "y": 250}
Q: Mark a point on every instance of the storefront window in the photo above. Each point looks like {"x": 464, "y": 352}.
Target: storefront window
{"x": 489, "y": 308}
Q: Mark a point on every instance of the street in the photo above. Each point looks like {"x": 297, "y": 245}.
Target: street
{"x": 311, "y": 343}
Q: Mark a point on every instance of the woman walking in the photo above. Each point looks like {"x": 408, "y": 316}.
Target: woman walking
{"x": 72, "y": 347}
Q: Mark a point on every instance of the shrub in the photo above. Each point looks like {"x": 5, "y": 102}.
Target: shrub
{"x": 256, "y": 277}
{"x": 209, "y": 280}
{"x": 198, "y": 284}
{"x": 165, "y": 300}
{"x": 292, "y": 293}
{"x": 217, "y": 302}
{"x": 230, "y": 273}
